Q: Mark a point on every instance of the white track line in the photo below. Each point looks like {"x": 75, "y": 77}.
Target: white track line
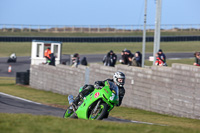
{"x": 18, "y": 98}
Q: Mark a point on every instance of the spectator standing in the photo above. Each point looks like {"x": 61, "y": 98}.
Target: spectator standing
{"x": 159, "y": 61}
{"x": 110, "y": 59}
{"x": 52, "y": 59}
{"x": 47, "y": 53}
{"x": 137, "y": 59}
{"x": 75, "y": 60}
{"x": 123, "y": 57}
{"x": 197, "y": 59}
{"x": 84, "y": 61}
{"x": 162, "y": 57}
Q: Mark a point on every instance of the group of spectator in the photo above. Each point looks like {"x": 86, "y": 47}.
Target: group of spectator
{"x": 50, "y": 59}
{"x": 110, "y": 59}
{"x": 76, "y": 60}
{"x": 131, "y": 59}
{"x": 127, "y": 58}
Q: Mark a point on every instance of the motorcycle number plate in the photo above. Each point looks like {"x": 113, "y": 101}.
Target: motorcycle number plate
{"x": 96, "y": 94}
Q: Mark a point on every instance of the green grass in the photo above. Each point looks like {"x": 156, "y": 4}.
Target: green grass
{"x": 23, "y": 123}
{"x": 24, "y": 48}
{"x": 15, "y": 123}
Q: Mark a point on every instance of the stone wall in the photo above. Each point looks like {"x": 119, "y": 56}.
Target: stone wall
{"x": 168, "y": 90}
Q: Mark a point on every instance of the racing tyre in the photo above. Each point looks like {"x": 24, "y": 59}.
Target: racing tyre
{"x": 69, "y": 114}
{"x": 100, "y": 113}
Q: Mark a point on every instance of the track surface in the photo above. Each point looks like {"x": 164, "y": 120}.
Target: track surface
{"x": 23, "y": 63}
{"x": 12, "y": 104}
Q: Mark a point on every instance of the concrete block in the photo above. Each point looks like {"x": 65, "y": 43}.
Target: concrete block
{"x": 186, "y": 67}
{"x": 184, "y": 78}
{"x": 182, "y": 90}
{"x": 161, "y": 69}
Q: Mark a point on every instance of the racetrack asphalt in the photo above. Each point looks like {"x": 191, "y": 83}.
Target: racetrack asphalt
{"x": 23, "y": 63}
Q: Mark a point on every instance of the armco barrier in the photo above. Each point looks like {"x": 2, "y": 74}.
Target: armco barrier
{"x": 99, "y": 39}
{"x": 168, "y": 90}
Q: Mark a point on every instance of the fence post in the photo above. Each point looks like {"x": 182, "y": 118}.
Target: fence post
{"x": 131, "y": 28}
{"x": 29, "y": 28}
{"x": 47, "y": 30}
{"x": 98, "y": 29}
{"x": 12, "y": 28}
{"x": 38, "y": 28}
{"x": 89, "y": 28}
{"x": 73, "y": 28}
{"x": 22, "y": 29}
{"x": 199, "y": 27}
{"x": 56, "y": 28}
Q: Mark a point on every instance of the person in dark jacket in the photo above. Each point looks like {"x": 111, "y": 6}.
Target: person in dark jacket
{"x": 118, "y": 79}
{"x": 137, "y": 59}
{"x": 75, "y": 60}
{"x": 110, "y": 59}
{"x": 162, "y": 56}
{"x": 84, "y": 61}
{"x": 126, "y": 57}
{"x": 52, "y": 59}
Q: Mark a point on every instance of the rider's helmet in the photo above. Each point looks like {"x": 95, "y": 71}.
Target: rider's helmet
{"x": 119, "y": 78}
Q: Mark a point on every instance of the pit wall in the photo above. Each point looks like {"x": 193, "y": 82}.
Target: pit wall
{"x": 167, "y": 90}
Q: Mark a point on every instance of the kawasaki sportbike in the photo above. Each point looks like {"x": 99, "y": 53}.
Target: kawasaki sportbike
{"x": 96, "y": 105}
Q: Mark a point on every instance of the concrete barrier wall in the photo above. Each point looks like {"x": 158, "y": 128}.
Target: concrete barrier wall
{"x": 60, "y": 79}
{"x": 168, "y": 90}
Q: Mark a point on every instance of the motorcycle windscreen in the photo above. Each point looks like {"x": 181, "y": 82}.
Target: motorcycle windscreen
{"x": 115, "y": 93}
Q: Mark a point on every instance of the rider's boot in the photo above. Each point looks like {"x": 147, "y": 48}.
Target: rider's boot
{"x": 86, "y": 89}
{"x": 77, "y": 99}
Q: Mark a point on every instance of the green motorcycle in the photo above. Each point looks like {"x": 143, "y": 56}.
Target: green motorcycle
{"x": 96, "y": 105}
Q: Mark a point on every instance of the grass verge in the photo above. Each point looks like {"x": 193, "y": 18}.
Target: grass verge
{"x": 29, "y": 123}
{"x": 14, "y": 123}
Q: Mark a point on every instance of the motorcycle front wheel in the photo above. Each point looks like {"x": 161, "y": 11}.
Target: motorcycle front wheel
{"x": 99, "y": 114}
{"x": 69, "y": 114}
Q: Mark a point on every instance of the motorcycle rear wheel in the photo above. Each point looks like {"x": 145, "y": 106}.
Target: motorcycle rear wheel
{"x": 102, "y": 110}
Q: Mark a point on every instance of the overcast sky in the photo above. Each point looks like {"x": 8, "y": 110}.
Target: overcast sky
{"x": 96, "y": 12}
